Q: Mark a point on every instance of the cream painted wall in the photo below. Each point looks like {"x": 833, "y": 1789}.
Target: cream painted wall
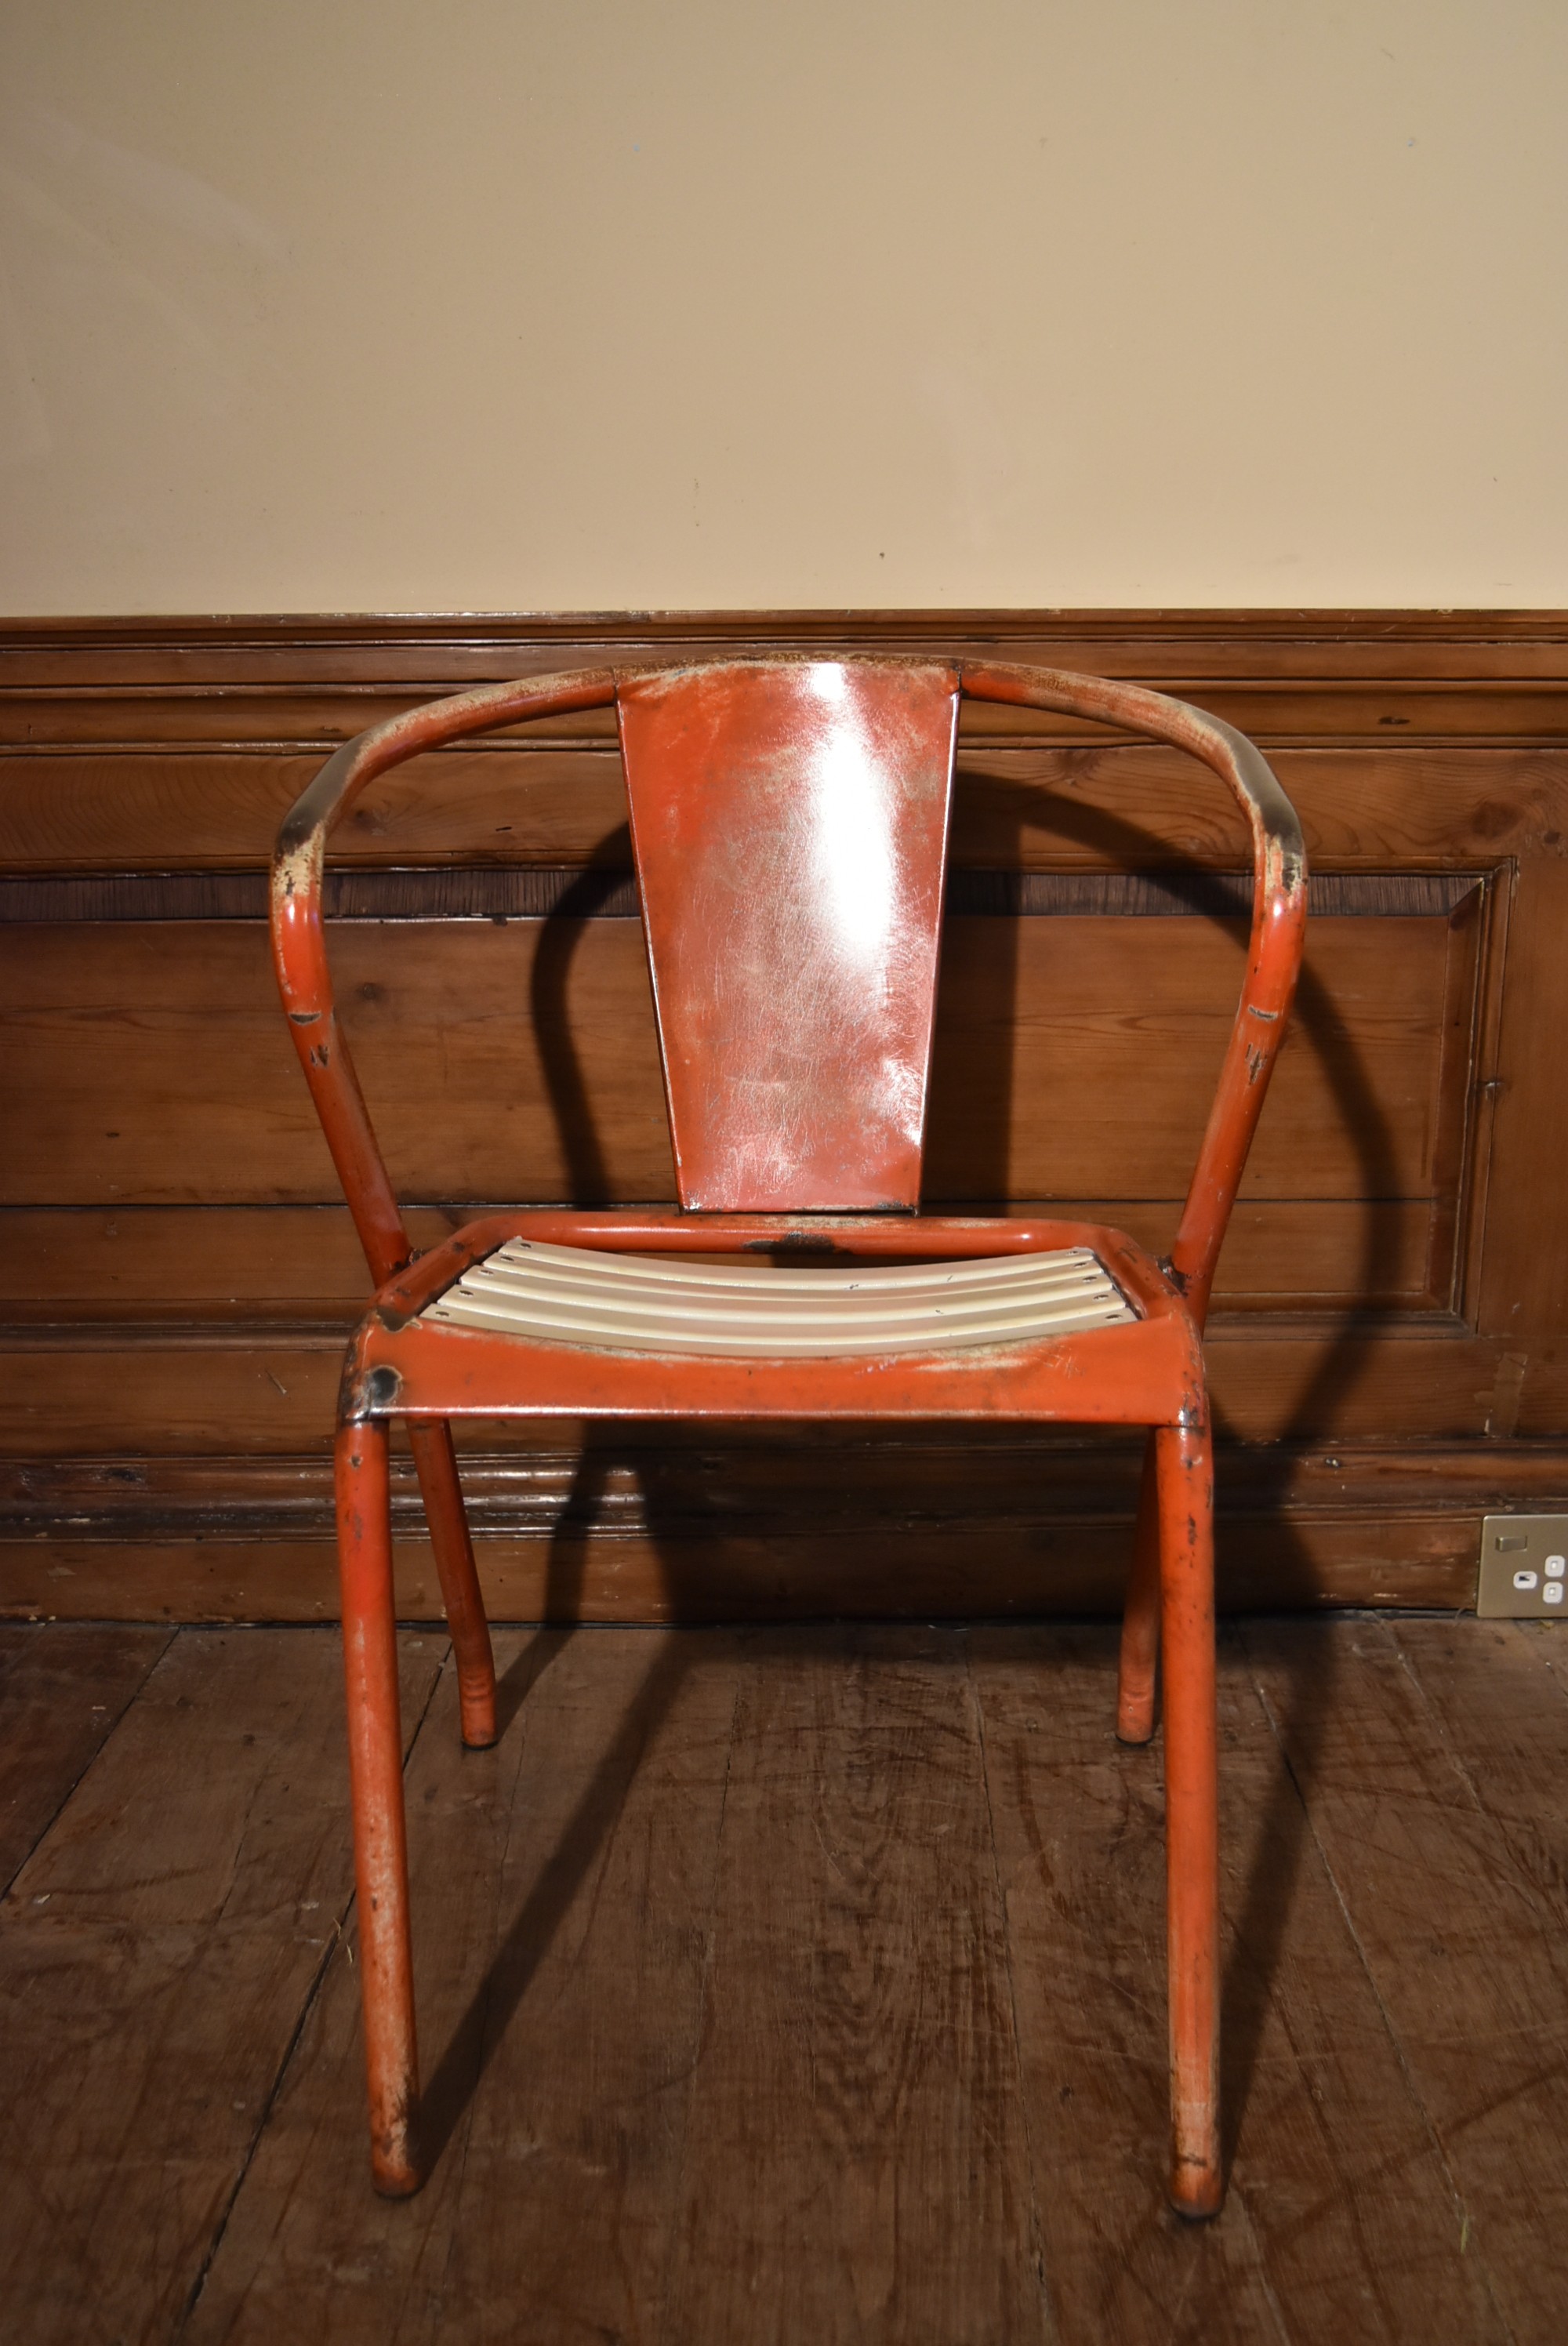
{"x": 486, "y": 304}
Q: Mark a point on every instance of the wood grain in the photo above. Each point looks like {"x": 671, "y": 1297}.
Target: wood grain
{"x": 62, "y": 1695}
{"x": 148, "y": 1063}
{"x": 155, "y": 1954}
{"x": 309, "y": 2251}
{"x": 111, "y": 1388}
{"x": 1415, "y": 1806}
{"x": 858, "y": 2114}
{"x": 1273, "y": 710}
{"x": 605, "y": 891}
{"x": 143, "y": 649}
{"x": 1524, "y": 1273}
{"x": 800, "y": 1984}
{"x": 1089, "y": 807}
{"x": 951, "y": 1570}
{"x": 563, "y": 1894}
{"x": 70, "y": 1264}
{"x": 1338, "y": 2219}
{"x": 1408, "y": 1169}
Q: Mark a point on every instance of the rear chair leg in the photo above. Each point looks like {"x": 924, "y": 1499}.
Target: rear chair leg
{"x": 1141, "y": 1615}
{"x": 1184, "y": 1472}
{"x": 375, "y": 1775}
{"x": 436, "y": 1463}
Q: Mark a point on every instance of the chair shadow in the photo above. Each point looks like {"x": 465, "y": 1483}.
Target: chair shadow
{"x": 495, "y": 2001}
{"x": 1261, "y": 1922}
{"x": 584, "y": 899}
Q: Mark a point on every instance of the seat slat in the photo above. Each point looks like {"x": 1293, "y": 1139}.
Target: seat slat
{"x": 785, "y": 1310}
{"x": 529, "y": 1261}
{"x": 580, "y": 1295}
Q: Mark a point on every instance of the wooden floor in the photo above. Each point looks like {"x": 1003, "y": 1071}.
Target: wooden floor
{"x": 784, "y": 1985}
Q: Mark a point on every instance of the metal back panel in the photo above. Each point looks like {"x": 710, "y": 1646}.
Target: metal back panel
{"x": 790, "y": 822}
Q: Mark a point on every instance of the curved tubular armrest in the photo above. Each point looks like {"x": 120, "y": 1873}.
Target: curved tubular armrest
{"x": 1279, "y": 924}
{"x": 298, "y": 947}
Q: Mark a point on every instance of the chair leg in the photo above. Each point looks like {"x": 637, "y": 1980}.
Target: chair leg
{"x": 436, "y": 1463}
{"x": 1184, "y": 1472}
{"x": 375, "y": 1775}
{"x": 1141, "y": 1615}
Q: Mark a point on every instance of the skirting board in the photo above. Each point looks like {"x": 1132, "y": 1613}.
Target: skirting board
{"x": 622, "y": 1536}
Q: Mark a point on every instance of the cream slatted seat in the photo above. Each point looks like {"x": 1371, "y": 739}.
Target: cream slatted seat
{"x": 650, "y": 1303}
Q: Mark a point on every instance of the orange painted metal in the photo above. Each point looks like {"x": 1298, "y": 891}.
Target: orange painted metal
{"x": 1138, "y": 1662}
{"x": 376, "y": 1776}
{"x": 1185, "y": 1476}
{"x": 299, "y": 945}
{"x": 790, "y": 822}
{"x": 435, "y": 1463}
{"x": 1274, "y": 959}
{"x": 1137, "y": 1373}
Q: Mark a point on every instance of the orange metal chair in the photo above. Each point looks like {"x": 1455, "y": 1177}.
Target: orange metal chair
{"x": 789, "y": 822}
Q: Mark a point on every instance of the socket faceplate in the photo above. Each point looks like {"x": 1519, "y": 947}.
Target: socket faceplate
{"x": 1524, "y": 1568}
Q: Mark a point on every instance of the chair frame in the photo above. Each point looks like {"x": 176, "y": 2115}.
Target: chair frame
{"x": 1147, "y": 1373}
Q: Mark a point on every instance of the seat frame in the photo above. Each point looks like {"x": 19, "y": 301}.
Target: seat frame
{"x": 1148, "y": 1372}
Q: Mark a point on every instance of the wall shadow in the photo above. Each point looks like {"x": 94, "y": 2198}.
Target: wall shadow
{"x": 528, "y": 1940}
{"x": 559, "y": 936}
{"x": 1266, "y": 1901}
{"x": 1259, "y": 1923}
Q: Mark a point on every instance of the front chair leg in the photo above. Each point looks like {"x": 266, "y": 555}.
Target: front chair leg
{"x": 435, "y": 1461}
{"x": 1184, "y": 1472}
{"x": 375, "y": 1775}
{"x": 1141, "y": 1615}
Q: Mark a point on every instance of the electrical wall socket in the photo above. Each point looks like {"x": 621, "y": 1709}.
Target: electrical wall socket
{"x": 1524, "y": 1568}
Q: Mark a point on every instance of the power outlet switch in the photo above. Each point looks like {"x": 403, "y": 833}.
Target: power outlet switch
{"x": 1524, "y": 1568}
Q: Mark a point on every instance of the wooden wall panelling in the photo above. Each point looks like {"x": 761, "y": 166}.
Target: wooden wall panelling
{"x": 160, "y": 1386}
{"x": 148, "y": 1063}
{"x": 269, "y": 1261}
{"x": 1386, "y": 805}
{"x": 631, "y": 1534}
{"x": 180, "y": 1284}
{"x": 1523, "y": 1284}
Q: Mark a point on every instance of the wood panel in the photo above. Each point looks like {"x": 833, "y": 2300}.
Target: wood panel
{"x": 1094, "y": 808}
{"x": 198, "y": 1262}
{"x": 270, "y": 1387}
{"x": 1513, "y": 711}
{"x": 178, "y": 1280}
{"x": 148, "y": 1063}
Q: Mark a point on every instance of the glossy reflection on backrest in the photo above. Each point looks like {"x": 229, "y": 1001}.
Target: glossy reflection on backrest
{"x": 789, "y": 822}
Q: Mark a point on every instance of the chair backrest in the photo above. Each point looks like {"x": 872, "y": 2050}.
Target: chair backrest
{"x": 789, "y": 823}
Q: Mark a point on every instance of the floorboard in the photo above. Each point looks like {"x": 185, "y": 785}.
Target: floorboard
{"x": 784, "y": 1985}
{"x": 563, "y": 1887}
{"x": 157, "y": 1952}
{"x": 64, "y": 1688}
{"x": 1414, "y": 1750}
{"x": 1079, "y": 1830}
{"x": 857, "y": 2160}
